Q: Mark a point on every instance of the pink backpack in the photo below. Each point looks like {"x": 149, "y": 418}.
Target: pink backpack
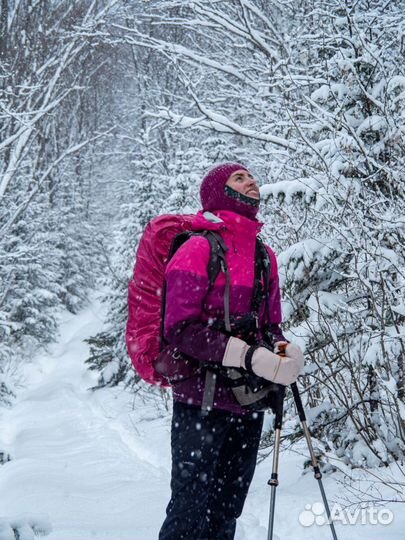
{"x": 145, "y": 306}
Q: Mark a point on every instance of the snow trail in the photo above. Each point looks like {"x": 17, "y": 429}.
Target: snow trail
{"x": 69, "y": 460}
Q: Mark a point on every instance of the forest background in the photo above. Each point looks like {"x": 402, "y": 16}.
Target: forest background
{"x": 110, "y": 113}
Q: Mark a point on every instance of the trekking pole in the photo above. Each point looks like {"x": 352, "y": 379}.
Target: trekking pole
{"x": 273, "y": 482}
{"x": 314, "y": 461}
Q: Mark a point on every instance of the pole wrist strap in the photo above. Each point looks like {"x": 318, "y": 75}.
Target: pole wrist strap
{"x": 248, "y": 358}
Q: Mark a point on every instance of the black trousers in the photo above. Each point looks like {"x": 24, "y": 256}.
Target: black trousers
{"x": 213, "y": 461}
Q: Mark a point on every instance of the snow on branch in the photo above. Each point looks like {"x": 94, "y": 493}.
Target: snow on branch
{"x": 180, "y": 52}
{"x": 305, "y": 187}
{"x": 220, "y": 123}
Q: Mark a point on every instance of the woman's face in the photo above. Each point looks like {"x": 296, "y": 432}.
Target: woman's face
{"x": 243, "y": 182}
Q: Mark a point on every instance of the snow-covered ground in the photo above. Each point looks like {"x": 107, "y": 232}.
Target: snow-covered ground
{"x": 88, "y": 465}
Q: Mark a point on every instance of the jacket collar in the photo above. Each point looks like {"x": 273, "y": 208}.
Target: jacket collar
{"x": 226, "y": 220}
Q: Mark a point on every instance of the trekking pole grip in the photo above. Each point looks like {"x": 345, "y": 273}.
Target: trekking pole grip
{"x": 278, "y": 406}
{"x": 298, "y": 402}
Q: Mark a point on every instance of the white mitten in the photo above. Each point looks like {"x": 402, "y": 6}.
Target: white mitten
{"x": 291, "y": 350}
{"x": 294, "y": 353}
{"x": 266, "y": 364}
{"x": 235, "y": 353}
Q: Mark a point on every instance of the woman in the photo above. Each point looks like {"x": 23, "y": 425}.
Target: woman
{"x": 214, "y": 453}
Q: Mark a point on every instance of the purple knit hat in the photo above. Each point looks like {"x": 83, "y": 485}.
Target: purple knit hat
{"x": 214, "y": 196}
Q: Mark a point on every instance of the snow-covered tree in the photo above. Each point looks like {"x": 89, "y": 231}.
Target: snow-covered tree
{"x": 46, "y": 49}
{"x": 143, "y": 198}
{"x": 344, "y": 274}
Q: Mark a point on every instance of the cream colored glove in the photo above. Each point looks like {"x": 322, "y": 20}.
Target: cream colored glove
{"x": 266, "y": 364}
{"x": 291, "y": 350}
{"x": 235, "y": 353}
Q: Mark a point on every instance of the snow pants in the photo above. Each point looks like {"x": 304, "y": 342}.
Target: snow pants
{"x": 213, "y": 461}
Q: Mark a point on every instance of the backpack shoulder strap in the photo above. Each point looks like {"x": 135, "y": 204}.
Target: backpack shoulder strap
{"x": 178, "y": 241}
{"x": 217, "y": 263}
{"x": 262, "y": 273}
{"x": 217, "y": 257}
{"x": 218, "y": 251}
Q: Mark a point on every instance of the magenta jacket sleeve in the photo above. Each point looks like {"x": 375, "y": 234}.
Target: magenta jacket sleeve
{"x": 186, "y": 287}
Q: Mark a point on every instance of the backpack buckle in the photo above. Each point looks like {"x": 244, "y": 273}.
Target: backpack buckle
{"x": 176, "y": 354}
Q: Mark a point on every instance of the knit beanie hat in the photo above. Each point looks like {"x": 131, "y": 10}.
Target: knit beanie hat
{"x": 215, "y": 195}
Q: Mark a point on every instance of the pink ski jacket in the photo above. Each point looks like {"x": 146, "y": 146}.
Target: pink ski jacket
{"x": 190, "y": 305}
